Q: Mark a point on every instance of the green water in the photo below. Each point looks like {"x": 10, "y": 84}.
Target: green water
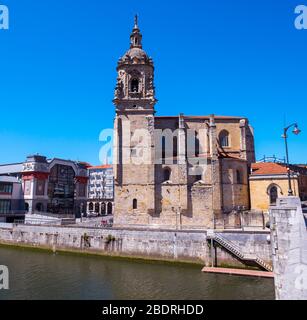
{"x": 44, "y": 275}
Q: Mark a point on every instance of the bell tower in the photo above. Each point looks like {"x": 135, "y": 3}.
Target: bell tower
{"x": 134, "y": 102}
{"x": 135, "y": 89}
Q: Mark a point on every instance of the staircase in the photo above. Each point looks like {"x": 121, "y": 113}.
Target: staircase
{"x": 236, "y": 250}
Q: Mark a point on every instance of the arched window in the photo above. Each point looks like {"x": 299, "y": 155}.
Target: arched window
{"x": 26, "y": 207}
{"x": 110, "y": 208}
{"x": 239, "y": 176}
{"x": 224, "y": 139}
{"x": 134, "y": 85}
{"x": 91, "y": 206}
{"x": 273, "y": 192}
{"x": 97, "y": 207}
{"x": 175, "y": 147}
{"x": 196, "y": 144}
{"x": 163, "y": 147}
{"x": 135, "y": 204}
{"x": 166, "y": 174}
{"x": 103, "y": 208}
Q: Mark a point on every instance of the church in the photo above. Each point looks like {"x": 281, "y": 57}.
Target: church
{"x": 182, "y": 171}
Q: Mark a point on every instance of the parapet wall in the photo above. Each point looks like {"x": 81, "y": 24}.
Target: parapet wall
{"x": 289, "y": 248}
{"x": 189, "y": 246}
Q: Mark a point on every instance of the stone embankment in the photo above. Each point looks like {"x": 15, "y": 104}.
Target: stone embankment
{"x": 168, "y": 245}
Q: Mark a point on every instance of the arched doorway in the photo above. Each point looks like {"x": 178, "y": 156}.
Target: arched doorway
{"x": 97, "y": 207}
{"x": 273, "y": 193}
{"x": 110, "y": 208}
{"x": 91, "y": 206}
{"x": 103, "y": 208}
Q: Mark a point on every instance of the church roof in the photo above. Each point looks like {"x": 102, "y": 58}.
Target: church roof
{"x": 136, "y": 53}
{"x": 272, "y": 168}
{"x": 202, "y": 117}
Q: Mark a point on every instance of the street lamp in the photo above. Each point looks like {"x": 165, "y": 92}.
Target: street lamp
{"x": 296, "y": 131}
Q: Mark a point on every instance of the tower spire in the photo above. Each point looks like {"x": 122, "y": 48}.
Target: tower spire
{"x": 136, "y": 19}
{"x": 136, "y": 36}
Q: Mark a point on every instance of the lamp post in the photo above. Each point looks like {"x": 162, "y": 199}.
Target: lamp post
{"x": 296, "y": 131}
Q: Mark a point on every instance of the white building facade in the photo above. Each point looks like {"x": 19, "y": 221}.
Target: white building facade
{"x": 101, "y": 190}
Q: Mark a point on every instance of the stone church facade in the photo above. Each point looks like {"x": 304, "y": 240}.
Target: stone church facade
{"x": 173, "y": 171}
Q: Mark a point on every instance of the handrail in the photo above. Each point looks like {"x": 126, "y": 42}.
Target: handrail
{"x": 228, "y": 241}
{"x": 239, "y": 253}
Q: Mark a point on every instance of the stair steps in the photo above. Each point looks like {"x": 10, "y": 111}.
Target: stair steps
{"x": 234, "y": 249}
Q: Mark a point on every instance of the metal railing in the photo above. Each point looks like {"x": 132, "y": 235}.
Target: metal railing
{"x": 240, "y": 220}
{"x": 237, "y": 251}
{"x": 272, "y": 159}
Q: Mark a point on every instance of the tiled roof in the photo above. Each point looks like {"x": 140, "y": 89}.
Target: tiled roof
{"x": 263, "y": 168}
{"x": 105, "y": 166}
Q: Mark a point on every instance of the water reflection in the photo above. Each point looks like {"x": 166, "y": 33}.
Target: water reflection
{"x": 41, "y": 275}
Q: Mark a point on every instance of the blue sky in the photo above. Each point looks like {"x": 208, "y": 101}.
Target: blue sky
{"x": 58, "y": 70}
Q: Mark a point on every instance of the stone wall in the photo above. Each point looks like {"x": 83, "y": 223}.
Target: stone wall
{"x": 235, "y": 193}
{"x": 189, "y": 246}
{"x": 289, "y": 238}
{"x": 259, "y": 190}
{"x": 251, "y": 243}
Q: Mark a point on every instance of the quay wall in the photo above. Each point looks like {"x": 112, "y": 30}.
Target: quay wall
{"x": 174, "y": 245}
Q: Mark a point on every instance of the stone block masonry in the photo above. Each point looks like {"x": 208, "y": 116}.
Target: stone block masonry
{"x": 168, "y": 245}
{"x": 289, "y": 248}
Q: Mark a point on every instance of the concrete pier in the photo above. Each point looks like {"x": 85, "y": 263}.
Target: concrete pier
{"x": 239, "y": 272}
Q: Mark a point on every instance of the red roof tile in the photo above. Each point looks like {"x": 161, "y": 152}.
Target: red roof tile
{"x": 105, "y": 166}
{"x": 263, "y": 168}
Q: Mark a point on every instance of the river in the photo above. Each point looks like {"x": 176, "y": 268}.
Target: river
{"x": 44, "y": 275}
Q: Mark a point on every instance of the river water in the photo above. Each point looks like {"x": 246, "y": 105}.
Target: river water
{"x": 43, "y": 275}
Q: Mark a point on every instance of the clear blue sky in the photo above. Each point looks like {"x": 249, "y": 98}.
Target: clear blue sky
{"x": 58, "y": 69}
